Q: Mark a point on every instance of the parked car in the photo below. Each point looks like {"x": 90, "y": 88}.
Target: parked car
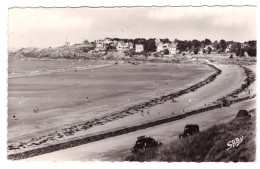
{"x": 143, "y": 143}
{"x": 243, "y": 113}
{"x": 226, "y": 102}
{"x": 189, "y": 130}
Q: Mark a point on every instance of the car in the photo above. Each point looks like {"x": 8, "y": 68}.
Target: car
{"x": 189, "y": 130}
{"x": 226, "y": 102}
{"x": 143, "y": 143}
{"x": 243, "y": 113}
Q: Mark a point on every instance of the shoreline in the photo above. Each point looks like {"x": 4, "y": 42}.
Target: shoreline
{"x": 250, "y": 77}
{"x": 56, "y": 136}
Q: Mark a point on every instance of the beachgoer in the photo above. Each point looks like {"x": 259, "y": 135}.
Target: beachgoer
{"x": 142, "y": 112}
{"x": 14, "y": 116}
{"x": 148, "y": 112}
{"x": 34, "y": 110}
{"x": 86, "y": 99}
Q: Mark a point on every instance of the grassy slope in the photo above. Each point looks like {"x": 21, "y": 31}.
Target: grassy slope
{"x": 209, "y": 145}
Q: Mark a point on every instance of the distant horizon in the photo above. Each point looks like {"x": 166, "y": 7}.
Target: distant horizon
{"x": 48, "y": 27}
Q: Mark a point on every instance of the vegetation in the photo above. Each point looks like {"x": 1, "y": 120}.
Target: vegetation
{"x": 209, "y": 145}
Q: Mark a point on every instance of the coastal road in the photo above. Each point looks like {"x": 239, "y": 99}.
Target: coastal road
{"x": 112, "y": 149}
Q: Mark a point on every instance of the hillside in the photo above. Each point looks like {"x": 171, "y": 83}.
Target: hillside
{"x": 74, "y": 51}
{"x": 210, "y": 145}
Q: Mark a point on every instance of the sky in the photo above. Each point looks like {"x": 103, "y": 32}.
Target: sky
{"x": 49, "y": 27}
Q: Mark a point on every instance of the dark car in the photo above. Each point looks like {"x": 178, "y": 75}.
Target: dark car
{"x": 243, "y": 113}
{"x": 226, "y": 102}
{"x": 143, "y": 143}
{"x": 189, "y": 130}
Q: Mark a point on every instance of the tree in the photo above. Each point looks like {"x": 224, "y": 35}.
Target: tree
{"x": 166, "y": 52}
{"x": 86, "y": 41}
{"x": 166, "y": 40}
{"x": 234, "y": 47}
{"x": 182, "y": 46}
{"x": 216, "y": 44}
{"x": 207, "y": 42}
{"x": 196, "y": 43}
{"x": 209, "y": 50}
{"x": 196, "y": 50}
{"x": 150, "y": 45}
{"x": 223, "y": 45}
{"x": 139, "y": 41}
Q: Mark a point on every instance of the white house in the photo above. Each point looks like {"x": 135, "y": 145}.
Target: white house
{"x": 120, "y": 46}
{"x": 139, "y": 48}
{"x": 100, "y": 47}
{"x": 172, "y": 48}
{"x": 129, "y": 45}
{"x": 228, "y": 48}
{"x": 209, "y": 46}
{"x": 159, "y": 47}
{"x": 107, "y": 40}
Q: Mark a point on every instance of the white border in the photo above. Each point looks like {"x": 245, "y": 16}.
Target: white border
{"x": 92, "y": 3}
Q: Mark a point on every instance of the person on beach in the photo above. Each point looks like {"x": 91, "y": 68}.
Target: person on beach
{"x": 148, "y": 112}
{"x": 34, "y": 110}
{"x": 86, "y": 99}
{"x": 14, "y": 117}
{"x": 142, "y": 112}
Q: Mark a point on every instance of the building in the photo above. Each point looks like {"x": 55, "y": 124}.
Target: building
{"x": 120, "y": 46}
{"x": 129, "y": 45}
{"x": 159, "y": 47}
{"x": 228, "y": 48}
{"x": 107, "y": 41}
{"x": 139, "y": 48}
{"x": 172, "y": 48}
{"x": 209, "y": 46}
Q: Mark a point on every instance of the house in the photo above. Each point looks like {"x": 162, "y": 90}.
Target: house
{"x": 246, "y": 54}
{"x": 99, "y": 41}
{"x": 120, "y": 46}
{"x": 100, "y": 47}
{"x": 129, "y": 45}
{"x": 228, "y": 48}
{"x": 159, "y": 47}
{"x": 139, "y": 48}
{"x": 209, "y": 46}
{"x": 200, "y": 52}
{"x": 107, "y": 41}
{"x": 244, "y": 45}
{"x": 172, "y": 48}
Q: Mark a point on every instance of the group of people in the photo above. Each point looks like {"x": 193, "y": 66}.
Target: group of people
{"x": 35, "y": 110}
{"x": 142, "y": 112}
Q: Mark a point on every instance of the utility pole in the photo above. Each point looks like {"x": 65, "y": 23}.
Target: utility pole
{"x": 67, "y": 43}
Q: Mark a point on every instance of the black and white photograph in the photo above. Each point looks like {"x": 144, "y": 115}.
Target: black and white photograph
{"x": 132, "y": 84}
